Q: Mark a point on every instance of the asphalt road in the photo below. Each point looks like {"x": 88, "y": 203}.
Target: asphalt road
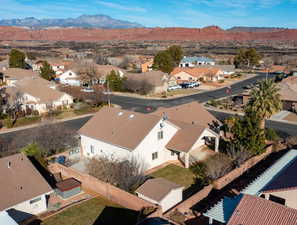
{"x": 140, "y": 105}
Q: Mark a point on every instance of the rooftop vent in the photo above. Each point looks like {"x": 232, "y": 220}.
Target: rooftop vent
{"x": 120, "y": 113}
{"x": 131, "y": 116}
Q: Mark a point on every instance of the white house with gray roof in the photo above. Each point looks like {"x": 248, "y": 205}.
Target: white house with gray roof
{"x": 196, "y": 61}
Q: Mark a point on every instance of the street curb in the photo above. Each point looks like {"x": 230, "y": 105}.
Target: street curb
{"x": 42, "y": 122}
{"x": 189, "y": 95}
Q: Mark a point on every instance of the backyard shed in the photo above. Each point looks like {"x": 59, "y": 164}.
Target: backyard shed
{"x": 161, "y": 192}
{"x": 68, "y": 188}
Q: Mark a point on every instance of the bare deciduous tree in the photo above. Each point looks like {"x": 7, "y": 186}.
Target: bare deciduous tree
{"x": 127, "y": 175}
{"x": 138, "y": 86}
{"x": 217, "y": 166}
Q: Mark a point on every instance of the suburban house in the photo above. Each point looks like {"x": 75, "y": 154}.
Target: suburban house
{"x": 37, "y": 94}
{"x": 104, "y": 70}
{"x": 147, "y": 66}
{"x": 161, "y": 192}
{"x": 274, "y": 192}
{"x": 69, "y": 77}
{"x": 179, "y": 133}
{"x": 195, "y": 61}
{"x": 72, "y": 77}
{"x": 226, "y": 69}
{"x": 276, "y": 69}
{"x": 288, "y": 93}
{"x": 59, "y": 66}
{"x": 23, "y": 190}
{"x": 154, "y": 81}
{"x": 182, "y": 75}
{"x": 12, "y": 75}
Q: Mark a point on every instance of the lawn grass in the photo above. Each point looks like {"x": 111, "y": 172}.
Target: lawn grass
{"x": 176, "y": 174}
{"x": 27, "y": 121}
{"x": 95, "y": 211}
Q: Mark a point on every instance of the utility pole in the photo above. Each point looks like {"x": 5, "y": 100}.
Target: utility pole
{"x": 108, "y": 93}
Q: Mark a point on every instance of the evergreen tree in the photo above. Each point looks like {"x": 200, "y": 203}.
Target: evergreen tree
{"x": 114, "y": 81}
{"x": 46, "y": 71}
{"x": 17, "y": 59}
{"x": 176, "y": 53}
{"x": 247, "y": 58}
{"x": 163, "y": 61}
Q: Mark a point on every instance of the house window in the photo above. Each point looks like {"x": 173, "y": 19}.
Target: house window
{"x": 178, "y": 78}
{"x": 277, "y": 199}
{"x": 172, "y": 153}
{"x": 160, "y": 135}
{"x": 155, "y": 155}
{"x": 92, "y": 149}
{"x": 35, "y": 200}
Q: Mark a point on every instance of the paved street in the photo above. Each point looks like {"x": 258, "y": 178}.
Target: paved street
{"x": 140, "y": 105}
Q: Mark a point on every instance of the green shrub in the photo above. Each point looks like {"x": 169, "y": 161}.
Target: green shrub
{"x": 221, "y": 81}
{"x": 27, "y": 120}
{"x": 8, "y": 122}
{"x": 271, "y": 135}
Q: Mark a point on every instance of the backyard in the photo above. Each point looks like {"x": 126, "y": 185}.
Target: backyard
{"x": 96, "y": 211}
{"x": 176, "y": 174}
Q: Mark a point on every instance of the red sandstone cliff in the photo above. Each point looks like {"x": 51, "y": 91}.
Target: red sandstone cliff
{"x": 141, "y": 34}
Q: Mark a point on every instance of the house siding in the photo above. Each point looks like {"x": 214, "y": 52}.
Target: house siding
{"x": 25, "y": 210}
{"x": 143, "y": 152}
{"x": 289, "y": 195}
{"x": 173, "y": 198}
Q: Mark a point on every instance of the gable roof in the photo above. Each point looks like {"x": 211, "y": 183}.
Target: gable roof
{"x": 189, "y": 113}
{"x": 157, "y": 188}
{"x": 185, "y": 138}
{"x": 20, "y": 181}
{"x": 38, "y": 88}
{"x": 18, "y": 74}
{"x": 119, "y": 127}
{"x": 285, "y": 180}
{"x": 288, "y": 89}
{"x": 253, "y": 210}
{"x": 196, "y": 59}
{"x": 196, "y": 71}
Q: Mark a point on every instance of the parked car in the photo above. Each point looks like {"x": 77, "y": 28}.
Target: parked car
{"x": 185, "y": 85}
{"x": 175, "y": 87}
{"x": 194, "y": 84}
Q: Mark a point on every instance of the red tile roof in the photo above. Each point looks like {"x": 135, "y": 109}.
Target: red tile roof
{"x": 197, "y": 71}
{"x": 254, "y": 210}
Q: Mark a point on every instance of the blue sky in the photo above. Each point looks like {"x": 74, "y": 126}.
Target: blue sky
{"x": 163, "y": 13}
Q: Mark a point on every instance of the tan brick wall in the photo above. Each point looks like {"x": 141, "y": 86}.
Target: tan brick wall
{"x": 225, "y": 180}
{"x": 106, "y": 190}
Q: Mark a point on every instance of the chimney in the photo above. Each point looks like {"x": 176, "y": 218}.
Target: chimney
{"x": 8, "y": 164}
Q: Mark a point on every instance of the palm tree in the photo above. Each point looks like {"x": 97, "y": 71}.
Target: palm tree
{"x": 264, "y": 100}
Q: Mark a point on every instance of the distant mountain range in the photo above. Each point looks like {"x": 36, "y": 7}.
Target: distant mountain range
{"x": 84, "y": 21}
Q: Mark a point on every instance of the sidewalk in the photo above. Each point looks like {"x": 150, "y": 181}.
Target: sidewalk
{"x": 54, "y": 121}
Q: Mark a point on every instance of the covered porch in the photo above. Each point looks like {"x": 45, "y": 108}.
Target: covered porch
{"x": 192, "y": 149}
